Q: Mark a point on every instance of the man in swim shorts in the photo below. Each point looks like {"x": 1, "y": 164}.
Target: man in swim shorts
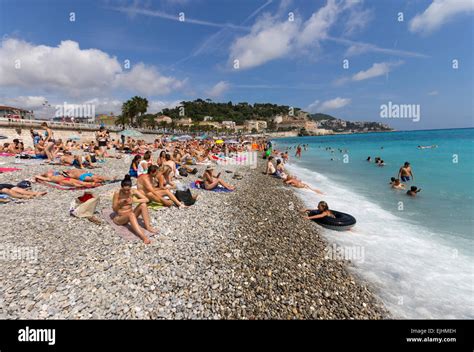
{"x": 405, "y": 172}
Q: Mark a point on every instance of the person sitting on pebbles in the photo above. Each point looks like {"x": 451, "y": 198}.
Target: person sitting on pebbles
{"x": 145, "y": 184}
{"x": 211, "y": 181}
{"x": 122, "y": 205}
{"x": 77, "y": 160}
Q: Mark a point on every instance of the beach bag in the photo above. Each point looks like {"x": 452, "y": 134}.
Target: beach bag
{"x": 183, "y": 172}
{"x": 84, "y": 209}
{"x": 24, "y": 184}
{"x": 185, "y": 197}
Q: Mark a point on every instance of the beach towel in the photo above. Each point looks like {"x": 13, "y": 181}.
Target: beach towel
{"x": 7, "y": 154}
{"x": 29, "y": 161}
{"x": 72, "y": 188}
{"x": 124, "y": 231}
{"x": 155, "y": 205}
{"x": 218, "y": 189}
{"x": 8, "y": 169}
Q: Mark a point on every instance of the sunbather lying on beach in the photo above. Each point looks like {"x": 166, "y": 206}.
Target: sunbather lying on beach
{"x": 123, "y": 205}
{"x": 17, "y": 192}
{"x": 211, "y": 181}
{"x": 56, "y": 177}
{"x": 293, "y": 181}
{"x": 145, "y": 184}
{"x": 85, "y": 176}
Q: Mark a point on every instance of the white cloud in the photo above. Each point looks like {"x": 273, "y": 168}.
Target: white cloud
{"x": 438, "y": 13}
{"x": 219, "y": 89}
{"x": 332, "y": 104}
{"x": 271, "y": 38}
{"x": 267, "y": 41}
{"x": 433, "y": 93}
{"x": 74, "y": 72}
{"x": 147, "y": 80}
{"x": 158, "y": 105}
{"x": 377, "y": 69}
{"x": 26, "y": 102}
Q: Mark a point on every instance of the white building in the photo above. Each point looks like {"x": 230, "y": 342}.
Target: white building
{"x": 228, "y": 124}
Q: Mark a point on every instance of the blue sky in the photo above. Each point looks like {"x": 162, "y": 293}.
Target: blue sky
{"x": 297, "y": 63}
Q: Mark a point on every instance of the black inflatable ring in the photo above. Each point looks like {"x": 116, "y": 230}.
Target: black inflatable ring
{"x": 340, "y": 222}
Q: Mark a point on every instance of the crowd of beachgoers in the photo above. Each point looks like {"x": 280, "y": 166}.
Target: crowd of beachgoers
{"x": 155, "y": 178}
{"x": 218, "y": 216}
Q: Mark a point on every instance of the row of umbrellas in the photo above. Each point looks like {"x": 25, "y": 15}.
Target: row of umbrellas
{"x": 135, "y": 133}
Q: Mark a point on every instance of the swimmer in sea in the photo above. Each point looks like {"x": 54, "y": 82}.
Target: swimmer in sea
{"x": 405, "y": 172}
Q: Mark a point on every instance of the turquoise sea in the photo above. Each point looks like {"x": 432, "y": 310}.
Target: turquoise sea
{"x": 418, "y": 252}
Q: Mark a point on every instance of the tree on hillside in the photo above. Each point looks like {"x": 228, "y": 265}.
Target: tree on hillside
{"x": 133, "y": 109}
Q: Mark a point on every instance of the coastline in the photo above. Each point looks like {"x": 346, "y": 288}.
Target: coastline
{"x": 240, "y": 255}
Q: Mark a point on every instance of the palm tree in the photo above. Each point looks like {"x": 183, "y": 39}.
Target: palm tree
{"x": 122, "y": 120}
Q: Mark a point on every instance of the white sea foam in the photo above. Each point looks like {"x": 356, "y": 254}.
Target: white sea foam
{"x": 415, "y": 272}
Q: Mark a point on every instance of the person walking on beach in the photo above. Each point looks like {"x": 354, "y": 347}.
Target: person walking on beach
{"x": 405, "y": 172}
{"x": 298, "y": 151}
{"x": 102, "y": 138}
{"x": 48, "y": 141}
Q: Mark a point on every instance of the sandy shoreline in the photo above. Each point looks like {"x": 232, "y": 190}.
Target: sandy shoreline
{"x": 240, "y": 255}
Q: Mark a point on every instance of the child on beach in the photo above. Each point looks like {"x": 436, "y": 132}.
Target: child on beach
{"x": 397, "y": 184}
{"x": 323, "y": 211}
{"x": 413, "y": 191}
{"x": 270, "y": 170}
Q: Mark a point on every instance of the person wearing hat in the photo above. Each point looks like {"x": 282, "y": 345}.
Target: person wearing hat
{"x": 211, "y": 181}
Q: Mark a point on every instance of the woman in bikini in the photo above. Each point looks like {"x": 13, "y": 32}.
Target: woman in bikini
{"x": 293, "y": 181}
{"x": 85, "y": 176}
{"x": 122, "y": 204}
{"x": 17, "y": 192}
{"x": 48, "y": 141}
{"x": 211, "y": 181}
{"x": 56, "y": 177}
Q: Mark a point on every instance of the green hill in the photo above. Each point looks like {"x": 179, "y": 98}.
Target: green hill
{"x": 320, "y": 117}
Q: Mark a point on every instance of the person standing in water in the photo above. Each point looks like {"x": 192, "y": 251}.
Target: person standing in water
{"x": 405, "y": 172}
{"x": 298, "y": 151}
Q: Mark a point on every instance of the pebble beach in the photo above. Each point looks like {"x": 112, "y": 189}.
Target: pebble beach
{"x": 246, "y": 254}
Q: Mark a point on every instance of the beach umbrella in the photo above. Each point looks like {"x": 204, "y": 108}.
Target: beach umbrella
{"x": 219, "y": 141}
{"x": 231, "y": 141}
{"x": 185, "y": 137}
{"x": 131, "y": 133}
